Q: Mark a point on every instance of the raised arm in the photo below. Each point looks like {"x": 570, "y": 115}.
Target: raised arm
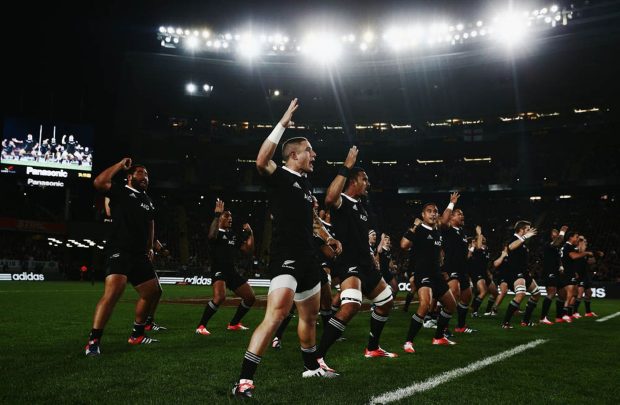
{"x": 214, "y": 227}
{"x": 498, "y": 262}
{"x": 405, "y": 243}
{"x": 445, "y": 217}
{"x": 103, "y": 182}
{"x": 264, "y": 163}
{"x": 248, "y": 245}
{"x": 557, "y": 242}
{"x": 521, "y": 240}
{"x": 320, "y": 230}
{"x": 479, "y": 237}
{"x": 333, "y": 197}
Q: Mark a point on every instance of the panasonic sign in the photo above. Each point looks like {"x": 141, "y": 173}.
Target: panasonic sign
{"x": 57, "y": 182}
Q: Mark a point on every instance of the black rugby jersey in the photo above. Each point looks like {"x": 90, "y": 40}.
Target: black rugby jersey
{"x": 479, "y": 261}
{"x": 455, "y": 249}
{"x": 351, "y": 224}
{"x": 551, "y": 259}
{"x": 132, "y": 212}
{"x": 290, "y": 201}
{"x": 426, "y": 249}
{"x": 223, "y": 249}
{"x": 518, "y": 257}
{"x": 570, "y": 265}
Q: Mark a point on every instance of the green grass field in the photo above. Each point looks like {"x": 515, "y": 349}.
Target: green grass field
{"x": 44, "y": 327}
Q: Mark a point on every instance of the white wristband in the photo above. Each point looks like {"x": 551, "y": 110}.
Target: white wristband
{"x": 276, "y": 134}
{"x": 451, "y": 206}
{"x": 562, "y": 233}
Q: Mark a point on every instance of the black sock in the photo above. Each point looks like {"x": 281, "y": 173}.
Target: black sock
{"x": 490, "y": 304}
{"x": 332, "y": 332}
{"x": 476, "y": 304}
{"x": 576, "y": 306}
{"x": 210, "y": 309}
{"x": 461, "y": 311}
{"x": 95, "y": 334}
{"x": 512, "y": 308}
{"x": 325, "y": 315}
{"x": 284, "y": 324}
{"x": 587, "y": 304}
{"x": 242, "y": 309}
{"x": 248, "y": 367}
{"x": 442, "y": 323}
{"x": 545, "y": 307}
{"x": 414, "y": 327}
{"x": 408, "y": 300}
{"x": 149, "y": 320}
{"x": 138, "y": 329}
{"x": 309, "y": 357}
{"x": 531, "y": 305}
{"x": 377, "y": 322}
{"x": 559, "y": 308}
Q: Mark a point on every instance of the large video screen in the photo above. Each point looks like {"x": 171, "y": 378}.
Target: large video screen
{"x": 47, "y": 144}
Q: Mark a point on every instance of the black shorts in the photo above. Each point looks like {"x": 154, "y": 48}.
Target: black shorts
{"x": 368, "y": 275}
{"x": 569, "y": 279}
{"x": 387, "y": 275}
{"x": 584, "y": 280}
{"x": 232, "y": 279}
{"x": 460, "y": 275}
{"x": 137, "y": 267}
{"x": 436, "y": 281}
{"x": 552, "y": 279}
{"x": 306, "y": 270}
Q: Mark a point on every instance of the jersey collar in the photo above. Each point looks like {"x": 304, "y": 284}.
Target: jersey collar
{"x": 294, "y": 172}
{"x": 349, "y": 198}
{"x": 132, "y": 189}
{"x": 426, "y": 226}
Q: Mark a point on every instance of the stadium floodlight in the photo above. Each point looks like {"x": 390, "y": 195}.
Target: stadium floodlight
{"x": 554, "y": 8}
{"x": 205, "y": 34}
{"x": 322, "y": 48}
{"x": 207, "y": 88}
{"x": 248, "y": 46}
{"x": 191, "y": 43}
{"x": 179, "y": 31}
{"x": 162, "y": 30}
{"x": 190, "y": 88}
{"x": 479, "y": 23}
{"x": 363, "y": 46}
{"x": 510, "y": 28}
{"x": 276, "y": 93}
{"x": 170, "y": 30}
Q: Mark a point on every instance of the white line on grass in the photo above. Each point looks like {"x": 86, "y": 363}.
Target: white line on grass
{"x": 433, "y": 382}
{"x": 608, "y": 317}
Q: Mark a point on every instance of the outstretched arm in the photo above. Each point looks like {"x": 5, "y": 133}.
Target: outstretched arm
{"x": 264, "y": 163}
{"x": 445, "y": 217}
{"x": 560, "y": 238}
{"x": 521, "y": 240}
{"x": 103, "y": 182}
{"x": 248, "y": 245}
{"x": 332, "y": 197}
{"x": 213, "y": 228}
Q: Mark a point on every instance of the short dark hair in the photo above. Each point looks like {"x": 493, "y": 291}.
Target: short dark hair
{"x": 133, "y": 169}
{"x": 570, "y": 234}
{"x": 353, "y": 173}
{"x": 521, "y": 225}
{"x": 289, "y": 144}
{"x": 428, "y": 205}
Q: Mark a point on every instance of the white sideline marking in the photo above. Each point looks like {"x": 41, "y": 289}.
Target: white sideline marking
{"x": 432, "y": 382}
{"x": 608, "y": 317}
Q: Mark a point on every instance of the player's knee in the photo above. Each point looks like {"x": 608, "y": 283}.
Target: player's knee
{"x": 249, "y": 300}
{"x": 218, "y": 300}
